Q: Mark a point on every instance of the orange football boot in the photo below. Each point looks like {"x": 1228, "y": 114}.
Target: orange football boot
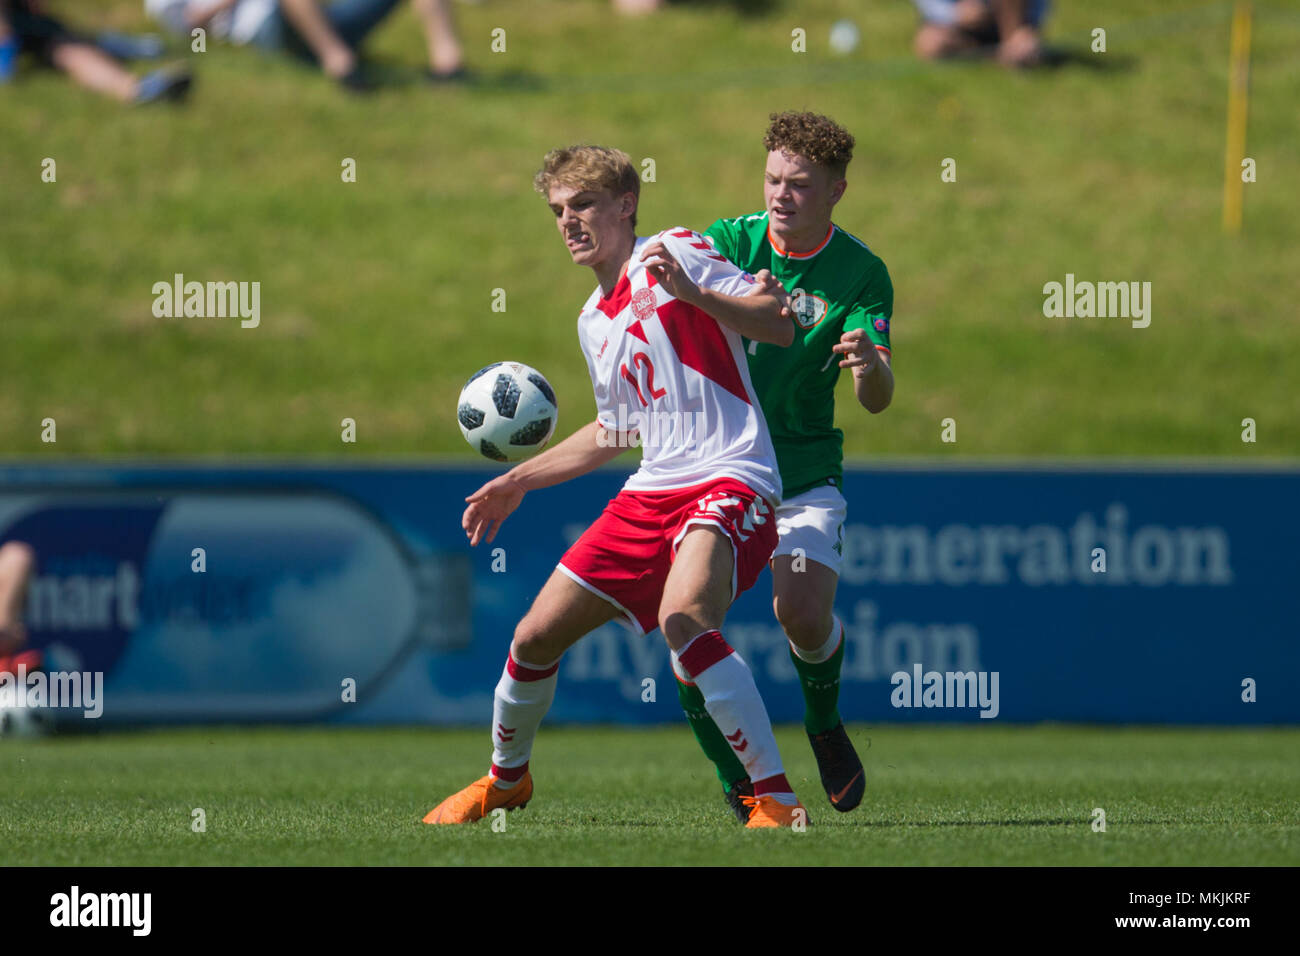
{"x": 480, "y": 798}
{"x": 767, "y": 811}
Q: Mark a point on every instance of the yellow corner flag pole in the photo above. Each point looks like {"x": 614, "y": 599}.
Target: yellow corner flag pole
{"x": 1238, "y": 80}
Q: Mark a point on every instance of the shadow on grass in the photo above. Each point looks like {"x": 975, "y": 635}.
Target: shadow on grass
{"x": 1074, "y": 821}
{"x": 813, "y": 823}
{"x": 1055, "y": 58}
{"x": 390, "y": 74}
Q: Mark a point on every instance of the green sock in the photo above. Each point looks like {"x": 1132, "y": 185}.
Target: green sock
{"x": 821, "y": 690}
{"x": 710, "y": 738}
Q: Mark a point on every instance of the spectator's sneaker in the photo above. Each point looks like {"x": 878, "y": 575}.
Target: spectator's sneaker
{"x": 735, "y": 798}
{"x": 767, "y": 811}
{"x": 843, "y": 778}
{"x": 165, "y": 84}
{"x": 458, "y": 76}
{"x": 356, "y": 81}
{"x": 480, "y": 798}
{"x": 127, "y": 46}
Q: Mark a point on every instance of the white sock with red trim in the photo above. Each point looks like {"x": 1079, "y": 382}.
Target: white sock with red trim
{"x": 732, "y": 700}
{"x": 523, "y": 697}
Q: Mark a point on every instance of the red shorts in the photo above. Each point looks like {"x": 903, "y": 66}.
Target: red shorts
{"x": 625, "y": 555}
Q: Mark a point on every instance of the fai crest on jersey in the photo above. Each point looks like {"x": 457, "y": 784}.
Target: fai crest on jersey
{"x": 643, "y": 303}
{"x": 808, "y": 309}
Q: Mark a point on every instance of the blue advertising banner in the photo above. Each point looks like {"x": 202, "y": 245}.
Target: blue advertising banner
{"x": 1160, "y": 594}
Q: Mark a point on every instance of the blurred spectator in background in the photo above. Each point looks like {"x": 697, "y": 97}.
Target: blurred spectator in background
{"x": 17, "y": 664}
{"x": 636, "y": 6}
{"x": 89, "y": 61}
{"x": 16, "y": 563}
{"x": 1007, "y": 29}
{"x": 329, "y": 32}
{"x": 8, "y": 48}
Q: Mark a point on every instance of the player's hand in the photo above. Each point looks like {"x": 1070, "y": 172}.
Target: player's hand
{"x": 857, "y": 349}
{"x": 767, "y": 284}
{"x": 668, "y": 272}
{"x": 489, "y": 506}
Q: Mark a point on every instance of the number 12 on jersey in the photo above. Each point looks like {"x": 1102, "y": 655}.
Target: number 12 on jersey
{"x": 638, "y": 360}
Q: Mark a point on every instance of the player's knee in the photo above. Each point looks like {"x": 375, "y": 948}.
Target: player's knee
{"x": 681, "y": 623}
{"x": 805, "y": 621}
{"x": 534, "y": 642}
{"x": 674, "y": 626}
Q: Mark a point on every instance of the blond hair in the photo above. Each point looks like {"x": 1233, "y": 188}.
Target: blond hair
{"x": 589, "y": 167}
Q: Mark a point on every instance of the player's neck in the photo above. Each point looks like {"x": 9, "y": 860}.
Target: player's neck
{"x": 610, "y": 269}
{"x": 803, "y": 240}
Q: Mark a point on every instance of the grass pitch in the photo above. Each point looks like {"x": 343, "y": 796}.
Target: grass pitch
{"x": 1006, "y": 795}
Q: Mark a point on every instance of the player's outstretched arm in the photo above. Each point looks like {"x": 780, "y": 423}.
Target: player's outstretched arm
{"x": 764, "y": 317}
{"x": 755, "y": 316}
{"x": 585, "y": 450}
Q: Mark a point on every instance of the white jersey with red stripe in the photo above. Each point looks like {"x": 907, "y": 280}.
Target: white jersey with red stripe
{"x": 676, "y": 377}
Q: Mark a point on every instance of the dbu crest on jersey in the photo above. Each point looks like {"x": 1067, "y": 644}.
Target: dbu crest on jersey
{"x": 808, "y": 309}
{"x": 643, "y": 303}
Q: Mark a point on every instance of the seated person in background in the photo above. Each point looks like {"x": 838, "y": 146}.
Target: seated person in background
{"x": 24, "y": 26}
{"x": 1009, "y": 29}
{"x": 636, "y": 7}
{"x": 329, "y": 32}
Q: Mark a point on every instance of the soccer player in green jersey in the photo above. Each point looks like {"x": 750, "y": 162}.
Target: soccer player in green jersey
{"x": 842, "y": 301}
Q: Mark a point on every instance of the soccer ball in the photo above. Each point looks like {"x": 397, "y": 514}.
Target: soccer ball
{"x": 507, "y": 411}
{"x": 844, "y": 36}
{"x": 18, "y": 721}
{"x": 22, "y": 722}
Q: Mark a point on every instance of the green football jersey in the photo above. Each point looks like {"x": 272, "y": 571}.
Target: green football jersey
{"x": 837, "y": 287}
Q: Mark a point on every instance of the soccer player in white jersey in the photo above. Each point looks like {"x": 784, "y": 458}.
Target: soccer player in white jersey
{"x": 693, "y": 526}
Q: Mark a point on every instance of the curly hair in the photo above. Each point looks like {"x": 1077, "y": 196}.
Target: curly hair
{"x": 813, "y": 136}
{"x": 589, "y": 167}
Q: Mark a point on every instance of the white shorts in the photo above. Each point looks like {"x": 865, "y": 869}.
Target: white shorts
{"x": 814, "y": 523}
